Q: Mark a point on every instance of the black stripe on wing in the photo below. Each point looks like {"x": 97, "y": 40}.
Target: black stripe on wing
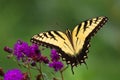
{"x": 59, "y": 35}
{"x": 98, "y": 27}
{"x": 102, "y": 22}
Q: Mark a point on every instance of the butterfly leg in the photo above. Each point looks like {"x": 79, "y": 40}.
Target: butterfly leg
{"x": 64, "y": 69}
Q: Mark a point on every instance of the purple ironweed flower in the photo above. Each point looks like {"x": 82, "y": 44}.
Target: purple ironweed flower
{"x": 44, "y": 59}
{"x": 14, "y": 74}
{"x": 25, "y": 76}
{"x": 34, "y": 52}
{"x": 7, "y": 49}
{"x": 36, "y": 55}
{"x": 34, "y": 49}
{"x": 1, "y": 72}
{"x": 57, "y": 65}
{"x": 54, "y": 55}
{"x": 21, "y": 49}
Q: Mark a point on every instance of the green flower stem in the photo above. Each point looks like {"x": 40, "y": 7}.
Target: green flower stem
{"x": 29, "y": 71}
{"x": 40, "y": 71}
{"x": 61, "y": 72}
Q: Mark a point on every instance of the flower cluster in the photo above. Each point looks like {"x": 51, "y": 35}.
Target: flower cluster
{"x": 22, "y": 51}
{"x": 14, "y": 74}
{"x": 32, "y": 55}
{"x": 56, "y": 64}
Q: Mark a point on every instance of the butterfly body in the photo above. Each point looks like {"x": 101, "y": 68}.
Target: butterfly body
{"x": 71, "y": 45}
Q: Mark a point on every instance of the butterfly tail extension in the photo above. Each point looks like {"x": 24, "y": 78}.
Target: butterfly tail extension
{"x": 72, "y": 70}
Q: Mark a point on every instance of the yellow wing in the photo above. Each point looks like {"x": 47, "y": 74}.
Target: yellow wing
{"x": 56, "y": 39}
{"x": 83, "y": 32}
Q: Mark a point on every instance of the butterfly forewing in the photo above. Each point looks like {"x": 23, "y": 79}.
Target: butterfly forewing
{"x": 55, "y": 39}
{"x": 81, "y": 32}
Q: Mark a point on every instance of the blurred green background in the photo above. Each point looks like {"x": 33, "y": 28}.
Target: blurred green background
{"x": 21, "y": 19}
